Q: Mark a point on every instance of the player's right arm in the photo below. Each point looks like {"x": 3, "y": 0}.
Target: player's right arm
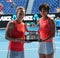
{"x": 9, "y": 28}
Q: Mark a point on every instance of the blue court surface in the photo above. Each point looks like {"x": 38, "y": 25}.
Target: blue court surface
{"x": 31, "y": 49}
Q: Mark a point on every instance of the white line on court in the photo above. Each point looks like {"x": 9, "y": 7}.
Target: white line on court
{"x": 26, "y": 49}
{"x": 57, "y": 42}
{"x": 58, "y": 47}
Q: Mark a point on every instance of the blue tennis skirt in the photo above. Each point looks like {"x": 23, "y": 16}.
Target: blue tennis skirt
{"x": 14, "y": 54}
{"x": 46, "y": 47}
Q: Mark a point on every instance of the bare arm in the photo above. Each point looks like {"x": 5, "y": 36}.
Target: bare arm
{"x": 9, "y": 28}
{"x": 52, "y": 30}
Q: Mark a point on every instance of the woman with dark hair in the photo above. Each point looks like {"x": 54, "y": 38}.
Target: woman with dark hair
{"x": 46, "y": 33}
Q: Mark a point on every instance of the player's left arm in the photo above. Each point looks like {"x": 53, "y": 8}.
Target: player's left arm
{"x": 53, "y": 28}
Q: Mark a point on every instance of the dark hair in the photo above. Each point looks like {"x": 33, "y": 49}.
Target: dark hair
{"x": 44, "y": 6}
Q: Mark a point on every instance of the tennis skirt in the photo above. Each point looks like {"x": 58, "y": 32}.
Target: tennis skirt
{"x": 14, "y": 54}
{"x": 46, "y": 48}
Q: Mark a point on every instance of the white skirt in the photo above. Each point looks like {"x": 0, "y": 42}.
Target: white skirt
{"x": 46, "y": 47}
